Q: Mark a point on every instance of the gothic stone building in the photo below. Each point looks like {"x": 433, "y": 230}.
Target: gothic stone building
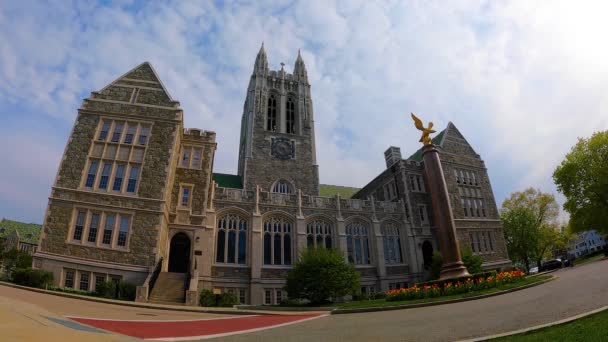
{"x": 135, "y": 199}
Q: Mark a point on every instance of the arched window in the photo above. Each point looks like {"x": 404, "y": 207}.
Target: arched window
{"x": 357, "y": 243}
{"x": 392, "y": 244}
{"x": 271, "y": 120}
{"x": 277, "y": 241}
{"x": 231, "y": 240}
{"x": 282, "y": 187}
{"x": 319, "y": 233}
{"x": 290, "y": 116}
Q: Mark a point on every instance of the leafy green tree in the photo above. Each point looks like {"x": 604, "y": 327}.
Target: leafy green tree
{"x": 321, "y": 275}
{"x": 583, "y": 178}
{"x": 16, "y": 259}
{"x": 530, "y": 224}
{"x": 520, "y": 234}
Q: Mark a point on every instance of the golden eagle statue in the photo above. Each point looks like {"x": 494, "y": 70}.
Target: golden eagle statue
{"x": 425, "y": 139}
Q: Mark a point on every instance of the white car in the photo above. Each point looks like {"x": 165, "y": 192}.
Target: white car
{"x": 533, "y": 270}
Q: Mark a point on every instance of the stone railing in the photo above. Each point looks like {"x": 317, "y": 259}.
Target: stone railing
{"x": 388, "y": 207}
{"x": 143, "y": 291}
{"x": 319, "y": 202}
{"x": 238, "y": 195}
{"x": 278, "y": 199}
{"x": 355, "y": 205}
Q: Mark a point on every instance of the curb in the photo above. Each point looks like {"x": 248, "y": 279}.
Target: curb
{"x": 538, "y": 327}
{"x": 450, "y": 301}
{"x": 142, "y": 305}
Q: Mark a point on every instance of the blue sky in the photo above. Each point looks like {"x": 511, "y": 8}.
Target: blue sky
{"x": 521, "y": 80}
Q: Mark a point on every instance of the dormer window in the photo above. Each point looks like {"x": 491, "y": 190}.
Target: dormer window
{"x": 282, "y": 187}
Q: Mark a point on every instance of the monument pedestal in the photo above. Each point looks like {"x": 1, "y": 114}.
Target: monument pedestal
{"x": 442, "y": 212}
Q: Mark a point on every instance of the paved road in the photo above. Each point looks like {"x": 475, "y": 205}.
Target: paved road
{"x": 31, "y": 316}
{"x": 577, "y": 290}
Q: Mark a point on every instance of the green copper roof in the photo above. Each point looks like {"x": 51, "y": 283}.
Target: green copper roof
{"x": 228, "y": 181}
{"x": 28, "y": 232}
{"x": 326, "y": 190}
{"x": 436, "y": 141}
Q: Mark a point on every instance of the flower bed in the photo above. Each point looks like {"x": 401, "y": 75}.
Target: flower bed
{"x": 451, "y": 287}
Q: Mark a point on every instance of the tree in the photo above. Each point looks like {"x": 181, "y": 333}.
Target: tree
{"x": 16, "y": 259}
{"x": 321, "y": 275}
{"x": 583, "y": 179}
{"x": 520, "y": 235}
{"x": 530, "y": 225}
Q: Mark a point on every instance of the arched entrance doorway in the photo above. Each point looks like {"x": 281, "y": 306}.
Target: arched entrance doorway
{"x": 179, "y": 253}
{"x": 427, "y": 253}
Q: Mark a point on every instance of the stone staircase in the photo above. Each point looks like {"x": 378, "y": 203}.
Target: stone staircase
{"x": 170, "y": 288}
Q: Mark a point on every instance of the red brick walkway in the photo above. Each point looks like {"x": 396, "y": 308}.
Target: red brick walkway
{"x": 172, "y": 330}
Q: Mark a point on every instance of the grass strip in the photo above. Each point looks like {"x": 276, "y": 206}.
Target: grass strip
{"x": 591, "y": 328}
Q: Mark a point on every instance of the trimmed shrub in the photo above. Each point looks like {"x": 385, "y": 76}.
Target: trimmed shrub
{"x": 106, "y": 290}
{"x": 126, "y": 291}
{"x": 228, "y": 299}
{"x": 207, "y": 298}
{"x": 321, "y": 275}
{"x": 380, "y": 295}
{"x": 72, "y": 291}
{"x": 31, "y": 277}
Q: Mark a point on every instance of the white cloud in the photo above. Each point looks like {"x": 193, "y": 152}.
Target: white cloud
{"x": 521, "y": 80}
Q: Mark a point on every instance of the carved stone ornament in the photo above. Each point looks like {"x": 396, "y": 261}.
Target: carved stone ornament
{"x": 282, "y": 148}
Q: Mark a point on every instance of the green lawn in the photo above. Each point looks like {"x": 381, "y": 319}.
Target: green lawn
{"x": 382, "y": 302}
{"x": 591, "y": 328}
{"x": 589, "y": 259}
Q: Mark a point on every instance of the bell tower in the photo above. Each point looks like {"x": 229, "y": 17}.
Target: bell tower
{"x": 277, "y": 143}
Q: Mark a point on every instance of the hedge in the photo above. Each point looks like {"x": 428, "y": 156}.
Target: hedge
{"x": 31, "y": 277}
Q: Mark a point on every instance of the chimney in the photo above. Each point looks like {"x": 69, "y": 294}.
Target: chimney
{"x": 392, "y": 155}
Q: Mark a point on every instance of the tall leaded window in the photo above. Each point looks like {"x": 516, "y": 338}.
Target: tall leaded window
{"x": 108, "y": 229}
{"x": 120, "y": 174}
{"x": 277, "y": 241}
{"x": 117, "y": 131}
{"x": 82, "y": 215}
{"x": 290, "y": 116}
{"x": 271, "y": 120}
{"x": 357, "y": 243}
{"x": 392, "y": 244}
{"x": 105, "y": 176}
{"x": 105, "y": 128}
{"x": 132, "y": 184}
{"x": 93, "y": 227}
{"x": 231, "y": 240}
{"x": 282, "y": 187}
{"x": 319, "y": 233}
{"x": 92, "y": 173}
{"x": 123, "y": 233}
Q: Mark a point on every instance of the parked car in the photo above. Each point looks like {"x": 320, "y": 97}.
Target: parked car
{"x": 551, "y": 265}
{"x": 533, "y": 270}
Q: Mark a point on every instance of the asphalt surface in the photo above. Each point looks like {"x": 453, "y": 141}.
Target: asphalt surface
{"x": 31, "y": 316}
{"x": 577, "y": 290}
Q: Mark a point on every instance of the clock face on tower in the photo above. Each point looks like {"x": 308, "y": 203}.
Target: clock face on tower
{"x": 282, "y": 148}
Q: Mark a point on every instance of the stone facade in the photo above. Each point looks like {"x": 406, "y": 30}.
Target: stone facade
{"x": 243, "y": 234}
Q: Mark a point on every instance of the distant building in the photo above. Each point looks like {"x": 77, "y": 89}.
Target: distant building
{"x": 587, "y": 242}
{"x": 19, "y": 235}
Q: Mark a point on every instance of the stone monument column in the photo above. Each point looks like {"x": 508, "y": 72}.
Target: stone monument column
{"x": 442, "y": 212}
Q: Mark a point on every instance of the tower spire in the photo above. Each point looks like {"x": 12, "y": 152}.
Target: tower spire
{"x": 299, "y": 69}
{"x": 261, "y": 61}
